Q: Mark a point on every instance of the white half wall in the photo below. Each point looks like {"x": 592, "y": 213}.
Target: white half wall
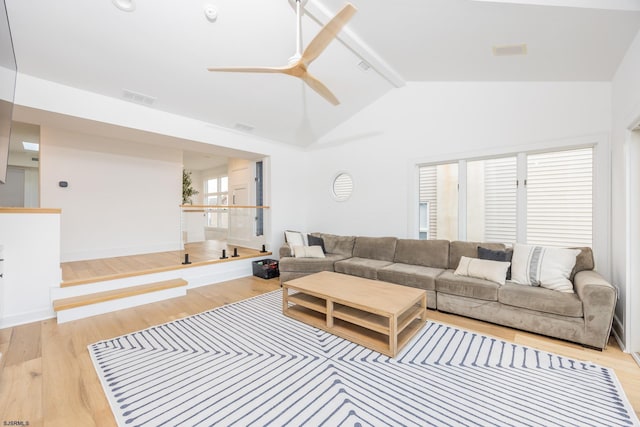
{"x": 30, "y": 249}
{"x": 122, "y": 198}
{"x": 437, "y": 121}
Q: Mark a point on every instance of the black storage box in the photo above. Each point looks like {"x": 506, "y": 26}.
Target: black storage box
{"x": 266, "y": 268}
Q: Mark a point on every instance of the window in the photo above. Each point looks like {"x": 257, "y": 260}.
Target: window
{"x": 439, "y": 201}
{"x": 342, "y": 187}
{"x": 536, "y": 198}
{"x": 559, "y": 198}
{"x": 491, "y": 200}
{"x": 217, "y": 194}
{"x": 259, "y": 198}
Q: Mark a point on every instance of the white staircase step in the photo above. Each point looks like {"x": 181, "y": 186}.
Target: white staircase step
{"x": 91, "y": 304}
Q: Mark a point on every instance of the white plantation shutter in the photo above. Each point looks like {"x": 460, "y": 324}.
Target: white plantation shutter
{"x": 429, "y": 194}
{"x": 500, "y": 177}
{"x": 560, "y": 197}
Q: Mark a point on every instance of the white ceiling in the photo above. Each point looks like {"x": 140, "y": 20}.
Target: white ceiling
{"x": 162, "y": 50}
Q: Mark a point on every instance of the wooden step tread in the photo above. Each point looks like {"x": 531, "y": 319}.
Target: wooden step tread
{"x": 82, "y": 300}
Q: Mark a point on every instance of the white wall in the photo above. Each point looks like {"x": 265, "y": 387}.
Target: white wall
{"x": 122, "y": 198}
{"x": 626, "y": 110}
{"x": 286, "y": 166}
{"x": 425, "y": 122}
{"x": 30, "y": 245}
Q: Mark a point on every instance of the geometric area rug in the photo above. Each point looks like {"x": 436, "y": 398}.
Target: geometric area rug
{"x": 247, "y": 364}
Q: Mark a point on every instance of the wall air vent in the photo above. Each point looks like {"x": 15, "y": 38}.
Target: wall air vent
{"x": 244, "y": 127}
{"x": 138, "y": 98}
{"x": 510, "y": 50}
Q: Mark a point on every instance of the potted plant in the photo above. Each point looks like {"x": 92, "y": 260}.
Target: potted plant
{"x": 187, "y": 189}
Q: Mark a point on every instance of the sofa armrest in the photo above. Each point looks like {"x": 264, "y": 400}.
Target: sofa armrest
{"x": 285, "y": 250}
{"x": 599, "y": 299}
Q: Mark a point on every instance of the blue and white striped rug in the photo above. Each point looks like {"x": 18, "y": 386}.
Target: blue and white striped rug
{"x": 247, "y": 364}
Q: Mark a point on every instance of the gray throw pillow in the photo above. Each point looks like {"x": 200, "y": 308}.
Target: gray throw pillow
{"x": 316, "y": 241}
{"x": 493, "y": 255}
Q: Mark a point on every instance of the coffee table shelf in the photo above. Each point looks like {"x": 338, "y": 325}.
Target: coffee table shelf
{"x": 378, "y": 315}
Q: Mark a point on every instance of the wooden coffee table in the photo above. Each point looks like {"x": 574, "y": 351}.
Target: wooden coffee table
{"x": 378, "y": 315}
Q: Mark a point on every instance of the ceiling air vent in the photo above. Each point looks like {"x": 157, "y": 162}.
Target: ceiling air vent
{"x": 138, "y": 98}
{"x": 364, "y": 66}
{"x": 510, "y": 50}
{"x": 244, "y": 127}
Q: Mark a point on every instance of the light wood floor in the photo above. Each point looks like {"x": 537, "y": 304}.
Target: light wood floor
{"x": 47, "y": 378}
{"x": 79, "y": 272}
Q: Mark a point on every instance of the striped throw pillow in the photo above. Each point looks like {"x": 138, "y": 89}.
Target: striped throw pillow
{"x": 543, "y": 266}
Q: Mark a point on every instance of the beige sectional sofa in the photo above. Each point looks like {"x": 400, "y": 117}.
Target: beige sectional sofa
{"x": 584, "y": 316}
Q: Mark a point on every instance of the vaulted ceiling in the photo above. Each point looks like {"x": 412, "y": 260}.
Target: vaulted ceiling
{"x": 158, "y": 54}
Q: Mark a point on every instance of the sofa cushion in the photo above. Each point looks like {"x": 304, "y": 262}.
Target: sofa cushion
{"x": 540, "y": 299}
{"x": 341, "y": 245}
{"x": 470, "y": 287}
{"x": 362, "y": 267}
{"x": 458, "y": 249}
{"x": 310, "y": 265}
{"x": 380, "y": 248}
{"x": 427, "y": 253}
{"x": 416, "y": 276}
{"x": 584, "y": 261}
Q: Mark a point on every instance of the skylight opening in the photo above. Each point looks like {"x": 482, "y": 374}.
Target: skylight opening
{"x": 30, "y": 146}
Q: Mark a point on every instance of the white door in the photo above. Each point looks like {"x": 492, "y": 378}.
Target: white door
{"x": 240, "y": 220}
{"x": 632, "y": 313}
{"x": 12, "y": 192}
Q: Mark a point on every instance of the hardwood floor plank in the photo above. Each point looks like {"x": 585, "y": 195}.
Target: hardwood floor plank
{"x": 66, "y": 399}
{"x": 56, "y": 367}
{"x": 24, "y": 344}
{"x": 21, "y": 393}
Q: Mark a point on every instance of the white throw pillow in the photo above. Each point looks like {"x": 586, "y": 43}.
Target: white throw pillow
{"x": 294, "y": 238}
{"x": 494, "y": 271}
{"x": 543, "y": 266}
{"x": 308, "y": 252}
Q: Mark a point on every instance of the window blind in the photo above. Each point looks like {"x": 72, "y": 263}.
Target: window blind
{"x": 500, "y": 177}
{"x": 560, "y": 197}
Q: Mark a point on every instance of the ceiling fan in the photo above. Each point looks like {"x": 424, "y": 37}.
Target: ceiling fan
{"x": 299, "y": 62}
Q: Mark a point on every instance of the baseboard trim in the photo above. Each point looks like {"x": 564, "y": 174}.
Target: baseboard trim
{"x": 636, "y": 357}
{"x": 23, "y": 318}
{"x": 618, "y": 332}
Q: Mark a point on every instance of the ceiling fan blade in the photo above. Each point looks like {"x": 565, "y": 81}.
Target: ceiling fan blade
{"x": 328, "y": 33}
{"x": 320, "y": 88}
{"x": 250, "y": 69}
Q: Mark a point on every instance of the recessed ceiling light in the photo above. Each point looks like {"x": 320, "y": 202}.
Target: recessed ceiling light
{"x": 30, "y": 146}
{"x": 126, "y": 5}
